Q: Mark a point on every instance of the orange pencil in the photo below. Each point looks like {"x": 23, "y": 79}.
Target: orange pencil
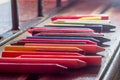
{"x": 18, "y": 53}
{"x": 43, "y": 48}
{"x": 90, "y": 60}
{"x": 87, "y": 48}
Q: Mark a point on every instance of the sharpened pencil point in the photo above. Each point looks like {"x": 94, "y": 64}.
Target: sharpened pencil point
{"x": 99, "y": 49}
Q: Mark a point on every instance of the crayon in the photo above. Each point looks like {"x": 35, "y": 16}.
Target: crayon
{"x": 72, "y": 41}
{"x": 70, "y": 34}
{"x": 43, "y": 48}
{"x": 38, "y": 32}
{"x": 18, "y": 43}
{"x": 61, "y": 37}
{"x": 90, "y": 60}
{"x": 95, "y": 27}
{"x": 103, "y": 17}
{"x": 83, "y": 18}
{"x": 94, "y": 18}
{"x": 105, "y": 23}
{"x": 18, "y": 53}
{"x": 31, "y": 68}
{"x": 94, "y": 22}
{"x": 92, "y": 38}
{"x": 70, "y": 63}
{"x": 89, "y": 49}
{"x": 60, "y": 30}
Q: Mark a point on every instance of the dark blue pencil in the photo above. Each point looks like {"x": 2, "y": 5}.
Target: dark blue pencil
{"x": 61, "y": 37}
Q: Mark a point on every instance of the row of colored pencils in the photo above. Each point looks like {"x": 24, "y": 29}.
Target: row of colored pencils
{"x": 68, "y": 42}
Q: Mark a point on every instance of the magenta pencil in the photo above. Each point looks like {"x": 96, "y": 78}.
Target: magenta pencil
{"x": 71, "y": 41}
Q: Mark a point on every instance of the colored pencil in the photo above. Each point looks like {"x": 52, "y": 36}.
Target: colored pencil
{"x": 43, "y": 48}
{"x": 31, "y": 68}
{"x": 60, "y": 30}
{"x": 19, "y": 43}
{"x": 94, "y": 18}
{"x": 94, "y": 39}
{"x": 18, "y": 53}
{"x": 63, "y": 21}
{"x": 83, "y": 18}
{"x": 70, "y": 34}
{"x": 105, "y": 23}
{"x": 96, "y": 28}
{"x": 101, "y": 39}
{"x": 70, "y": 63}
{"x": 90, "y": 49}
{"x": 90, "y": 60}
{"x": 58, "y": 41}
{"x": 103, "y": 17}
{"x": 61, "y": 37}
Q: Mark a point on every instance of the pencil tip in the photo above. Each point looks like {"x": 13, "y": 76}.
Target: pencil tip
{"x": 99, "y": 49}
{"x": 29, "y": 31}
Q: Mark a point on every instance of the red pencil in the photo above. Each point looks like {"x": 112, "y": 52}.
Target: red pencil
{"x": 90, "y": 60}
{"x": 65, "y": 30}
{"x": 18, "y": 53}
{"x": 31, "y": 68}
{"x": 70, "y": 63}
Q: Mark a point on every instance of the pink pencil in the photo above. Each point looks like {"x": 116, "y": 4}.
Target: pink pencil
{"x": 58, "y": 41}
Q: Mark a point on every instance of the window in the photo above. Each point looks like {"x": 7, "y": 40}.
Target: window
{"x": 27, "y": 10}
{"x": 5, "y": 16}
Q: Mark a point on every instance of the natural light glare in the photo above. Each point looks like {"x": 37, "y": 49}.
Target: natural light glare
{"x": 4, "y": 1}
